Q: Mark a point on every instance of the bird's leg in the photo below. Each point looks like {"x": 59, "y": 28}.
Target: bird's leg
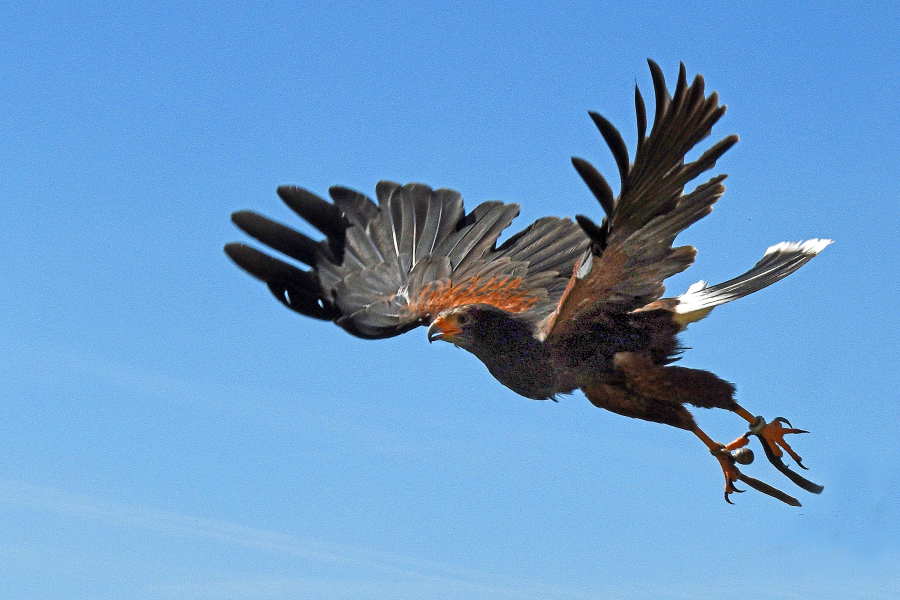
{"x": 728, "y": 456}
{"x": 704, "y": 389}
{"x": 654, "y": 393}
{"x": 771, "y": 435}
{"x": 625, "y": 402}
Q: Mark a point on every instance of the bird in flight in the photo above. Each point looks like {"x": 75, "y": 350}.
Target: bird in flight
{"x": 558, "y": 307}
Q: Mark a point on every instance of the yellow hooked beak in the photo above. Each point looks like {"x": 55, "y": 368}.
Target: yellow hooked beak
{"x": 444, "y": 328}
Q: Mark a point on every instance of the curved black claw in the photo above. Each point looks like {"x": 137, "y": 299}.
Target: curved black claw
{"x": 785, "y": 421}
{"x": 730, "y": 488}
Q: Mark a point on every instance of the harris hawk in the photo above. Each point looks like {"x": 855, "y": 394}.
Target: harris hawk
{"x": 559, "y": 306}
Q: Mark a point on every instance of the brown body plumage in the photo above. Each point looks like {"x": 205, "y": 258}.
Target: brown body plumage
{"x": 558, "y": 307}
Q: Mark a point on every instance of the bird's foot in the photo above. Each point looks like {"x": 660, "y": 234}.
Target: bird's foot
{"x": 771, "y": 435}
{"x": 734, "y": 453}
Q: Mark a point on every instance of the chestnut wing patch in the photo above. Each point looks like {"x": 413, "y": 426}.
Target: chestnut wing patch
{"x": 505, "y": 293}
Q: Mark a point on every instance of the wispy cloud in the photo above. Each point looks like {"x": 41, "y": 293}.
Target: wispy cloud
{"x": 383, "y": 575}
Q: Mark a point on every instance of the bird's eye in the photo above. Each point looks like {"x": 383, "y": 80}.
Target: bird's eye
{"x": 463, "y": 318}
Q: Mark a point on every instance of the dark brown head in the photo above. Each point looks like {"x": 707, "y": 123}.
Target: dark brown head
{"x": 478, "y": 328}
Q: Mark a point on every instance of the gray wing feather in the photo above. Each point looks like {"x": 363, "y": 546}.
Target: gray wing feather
{"x": 378, "y": 259}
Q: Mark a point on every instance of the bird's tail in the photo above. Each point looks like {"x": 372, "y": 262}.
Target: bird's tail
{"x": 779, "y": 261}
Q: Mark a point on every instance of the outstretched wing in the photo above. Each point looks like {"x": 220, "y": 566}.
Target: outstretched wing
{"x": 631, "y": 251}
{"x": 384, "y": 269}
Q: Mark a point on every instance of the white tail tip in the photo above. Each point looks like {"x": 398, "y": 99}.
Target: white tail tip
{"x": 809, "y": 247}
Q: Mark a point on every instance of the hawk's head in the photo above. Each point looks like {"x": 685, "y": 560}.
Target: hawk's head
{"x": 474, "y": 327}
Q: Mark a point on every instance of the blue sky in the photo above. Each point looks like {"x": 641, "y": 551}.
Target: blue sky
{"x": 167, "y": 430}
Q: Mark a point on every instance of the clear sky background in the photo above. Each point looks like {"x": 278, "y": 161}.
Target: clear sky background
{"x": 168, "y": 430}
